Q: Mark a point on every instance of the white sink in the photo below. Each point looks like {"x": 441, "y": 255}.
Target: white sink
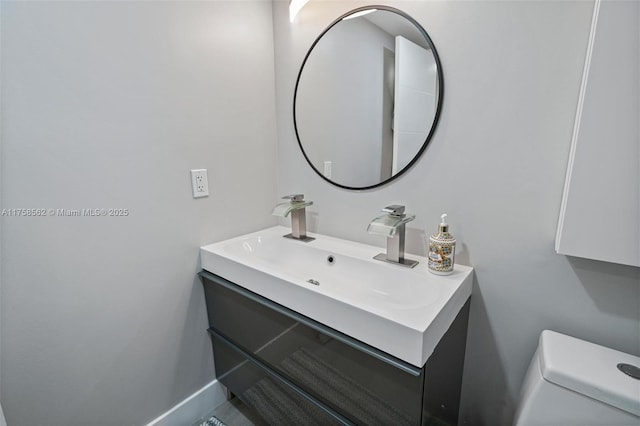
{"x": 398, "y": 310}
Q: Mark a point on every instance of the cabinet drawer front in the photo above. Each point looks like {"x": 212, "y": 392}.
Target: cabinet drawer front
{"x": 272, "y": 399}
{"x": 345, "y": 375}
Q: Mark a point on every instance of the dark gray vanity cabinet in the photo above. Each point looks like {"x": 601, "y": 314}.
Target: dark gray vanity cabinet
{"x": 293, "y": 370}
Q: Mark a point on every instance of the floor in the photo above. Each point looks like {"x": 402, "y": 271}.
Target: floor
{"x": 233, "y": 413}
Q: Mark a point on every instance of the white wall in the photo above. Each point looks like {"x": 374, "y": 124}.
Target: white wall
{"x": 512, "y": 74}
{"x": 108, "y": 105}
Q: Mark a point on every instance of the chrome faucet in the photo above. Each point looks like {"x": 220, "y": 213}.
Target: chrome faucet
{"x": 392, "y": 226}
{"x": 297, "y": 207}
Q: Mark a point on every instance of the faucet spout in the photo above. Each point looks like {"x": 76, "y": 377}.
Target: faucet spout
{"x": 297, "y": 208}
{"x": 392, "y": 226}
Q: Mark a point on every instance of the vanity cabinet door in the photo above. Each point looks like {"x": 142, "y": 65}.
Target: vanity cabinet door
{"x": 364, "y": 385}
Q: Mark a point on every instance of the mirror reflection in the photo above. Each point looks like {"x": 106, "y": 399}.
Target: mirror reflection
{"x": 367, "y": 98}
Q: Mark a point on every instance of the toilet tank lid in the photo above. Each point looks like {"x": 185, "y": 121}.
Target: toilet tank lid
{"x": 589, "y": 369}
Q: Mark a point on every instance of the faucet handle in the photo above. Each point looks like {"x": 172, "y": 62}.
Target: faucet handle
{"x": 394, "y": 210}
{"x": 295, "y": 198}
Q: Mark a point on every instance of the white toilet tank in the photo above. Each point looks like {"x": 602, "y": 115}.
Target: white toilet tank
{"x": 573, "y": 382}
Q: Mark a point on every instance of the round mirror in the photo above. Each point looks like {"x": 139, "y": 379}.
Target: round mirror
{"x": 368, "y": 97}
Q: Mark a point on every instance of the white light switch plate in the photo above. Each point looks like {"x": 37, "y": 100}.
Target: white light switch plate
{"x": 199, "y": 183}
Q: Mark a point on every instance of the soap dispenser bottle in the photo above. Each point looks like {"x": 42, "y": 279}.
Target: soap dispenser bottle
{"x": 442, "y": 250}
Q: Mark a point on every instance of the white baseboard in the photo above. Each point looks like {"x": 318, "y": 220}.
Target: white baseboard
{"x": 194, "y": 407}
{"x": 3, "y": 422}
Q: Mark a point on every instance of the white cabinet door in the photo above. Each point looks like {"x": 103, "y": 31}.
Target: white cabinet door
{"x": 600, "y": 213}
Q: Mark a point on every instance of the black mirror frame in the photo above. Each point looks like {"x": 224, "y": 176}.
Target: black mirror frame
{"x": 435, "y": 118}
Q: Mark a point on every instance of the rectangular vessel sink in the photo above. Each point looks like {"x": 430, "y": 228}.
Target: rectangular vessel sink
{"x": 404, "y": 312}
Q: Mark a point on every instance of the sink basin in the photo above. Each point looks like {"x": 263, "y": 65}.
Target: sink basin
{"x": 401, "y": 311}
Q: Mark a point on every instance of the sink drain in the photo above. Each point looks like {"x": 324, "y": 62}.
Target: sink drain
{"x": 312, "y": 281}
{"x": 630, "y": 370}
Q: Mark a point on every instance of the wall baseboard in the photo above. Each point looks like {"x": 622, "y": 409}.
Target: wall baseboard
{"x": 196, "y": 406}
{"x": 3, "y": 422}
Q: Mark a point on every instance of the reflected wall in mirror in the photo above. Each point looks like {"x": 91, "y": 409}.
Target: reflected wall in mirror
{"x": 368, "y": 97}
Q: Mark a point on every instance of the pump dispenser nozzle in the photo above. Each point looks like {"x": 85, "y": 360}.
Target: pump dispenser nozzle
{"x": 444, "y": 226}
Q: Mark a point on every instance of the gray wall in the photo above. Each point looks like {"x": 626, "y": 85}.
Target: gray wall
{"x": 2, "y": 419}
{"x": 108, "y": 105}
{"x": 512, "y": 73}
